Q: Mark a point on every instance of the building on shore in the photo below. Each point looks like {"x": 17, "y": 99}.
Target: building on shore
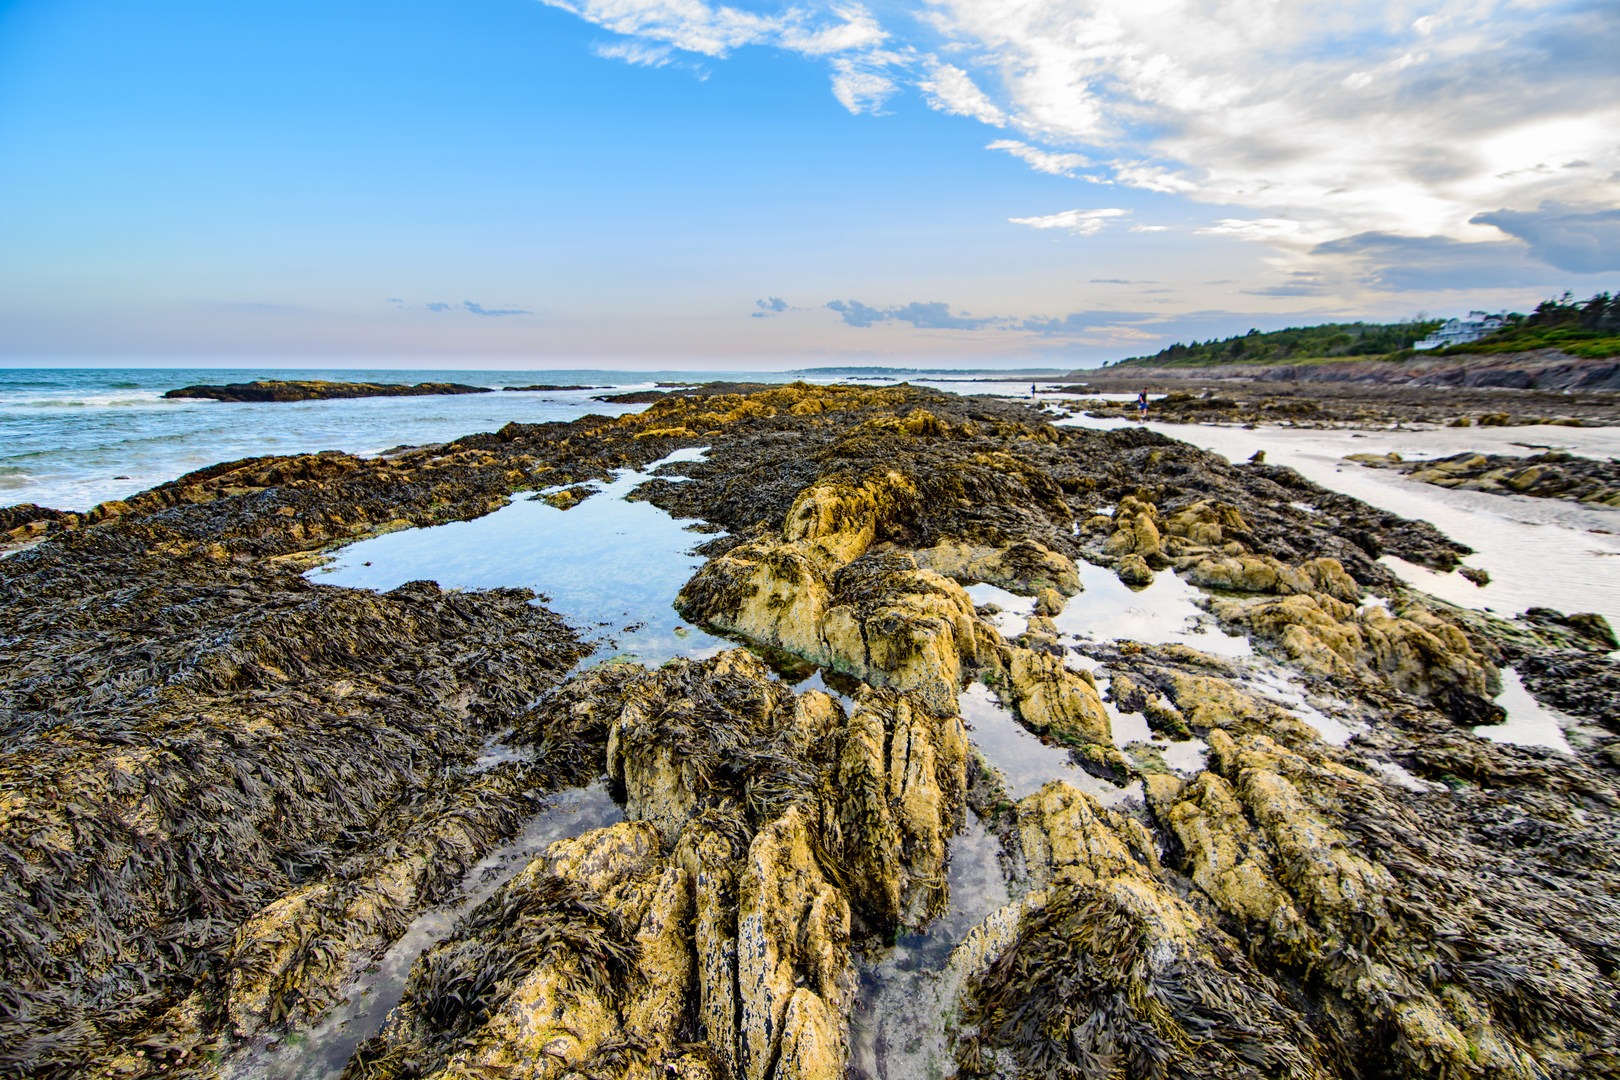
{"x": 1462, "y": 331}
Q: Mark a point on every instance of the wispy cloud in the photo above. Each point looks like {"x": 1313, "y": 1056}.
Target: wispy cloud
{"x": 930, "y": 315}
{"x": 478, "y": 309}
{"x": 846, "y": 35}
{"x": 949, "y": 89}
{"x": 1042, "y": 160}
{"x": 1079, "y": 222}
{"x": 470, "y": 307}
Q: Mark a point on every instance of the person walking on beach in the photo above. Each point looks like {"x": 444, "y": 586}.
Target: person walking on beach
{"x": 1141, "y": 405}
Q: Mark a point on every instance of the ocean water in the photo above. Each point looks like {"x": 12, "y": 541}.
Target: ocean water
{"x": 73, "y": 437}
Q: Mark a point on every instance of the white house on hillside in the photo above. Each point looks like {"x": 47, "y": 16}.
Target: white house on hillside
{"x": 1462, "y": 331}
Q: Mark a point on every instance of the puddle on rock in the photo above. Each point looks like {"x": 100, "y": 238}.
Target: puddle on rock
{"x": 1188, "y": 757}
{"x": 1013, "y": 618}
{"x": 1539, "y": 552}
{"x": 608, "y": 566}
{"x": 1025, "y": 762}
{"x": 1402, "y": 778}
{"x": 1279, "y": 686}
{"x": 1163, "y": 612}
{"x": 321, "y": 1052}
{"x": 901, "y": 1026}
{"x": 1529, "y": 722}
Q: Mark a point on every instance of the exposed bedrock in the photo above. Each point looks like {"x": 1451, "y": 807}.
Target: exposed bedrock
{"x": 224, "y": 788}
{"x": 1290, "y": 914}
{"x": 767, "y": 832}
{"x": 825, "y": 594}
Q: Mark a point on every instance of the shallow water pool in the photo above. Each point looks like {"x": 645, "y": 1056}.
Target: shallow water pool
{"x": 610, "y": 567}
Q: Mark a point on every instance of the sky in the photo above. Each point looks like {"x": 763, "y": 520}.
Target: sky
{"x": 669, "y": 183}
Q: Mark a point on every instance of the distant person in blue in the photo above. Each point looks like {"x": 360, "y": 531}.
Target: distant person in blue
{"x": 1141, "y": 405}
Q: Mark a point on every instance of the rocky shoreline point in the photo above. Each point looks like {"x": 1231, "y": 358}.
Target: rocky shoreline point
{"x": 317, "y": 390}
{"x": 1551, "y": 475}
{"x": 1339, "y": 405}
{"x": 225, "y": 789}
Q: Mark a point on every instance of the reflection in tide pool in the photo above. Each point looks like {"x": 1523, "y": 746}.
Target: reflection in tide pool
{"x": 1024, "y": 761}
{"x": 1013, "y": 618}
{"x": 907, "y": 1003}
{"x": 1164, "y": 612}
{"x": 606, "y": 565}
{"x": 1529, "y": 722}
{"x": 322, "y": 1052}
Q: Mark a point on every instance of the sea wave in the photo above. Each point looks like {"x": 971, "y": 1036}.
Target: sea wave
{"x": 121, "y": 400}
{"x": 12, "y": 477}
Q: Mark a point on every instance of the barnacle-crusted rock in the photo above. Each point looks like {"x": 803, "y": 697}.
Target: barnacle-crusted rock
{"x": 1144, "y": 977}
{"x": 1208, "y": 702}
{"x": 1134, "y": 570}
{"x": 1225, "y": 858}
{"x": 1264, "y": 574}
{"x": 1050, "y": 699}
{"x": 1026, "y": 567}
{"x": 835, "y": 521}
{"x": 892, "y": 624}
{"x": 894, "y": 797}
{"x": 880, "y": 618}
{"x": 792, "y": 942}
{"x": 1134, "y": 531}
{"x": 1208, "y": 522}
{"x": 1415, "y": 652}
{"x": 763, "y": 827}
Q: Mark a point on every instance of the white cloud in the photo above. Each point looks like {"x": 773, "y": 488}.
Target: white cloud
{"x": 1346, "y": 113}
{"x": 861, "y": 88}
{"x": 1042, "y": 160}
{"x": 1079, "y": 222}
{"x": 634, "y": 52}
{"x": 1343, "y": 117}
{"x": 949, "y": 89}
{"x": 689, "y": 25}
{"x": 845, "y": 35}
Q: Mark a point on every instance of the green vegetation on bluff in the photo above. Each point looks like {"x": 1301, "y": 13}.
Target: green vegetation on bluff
{"x": 1589, "y": 328}
{"x": 1296, "y": 343}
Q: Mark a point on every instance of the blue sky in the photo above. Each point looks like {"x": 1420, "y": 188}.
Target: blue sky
{"x": 665, "y": 183}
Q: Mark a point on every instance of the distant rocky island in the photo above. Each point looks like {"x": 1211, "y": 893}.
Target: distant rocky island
{"x": 548, "y": 386}
{"x": 317, "y": 390}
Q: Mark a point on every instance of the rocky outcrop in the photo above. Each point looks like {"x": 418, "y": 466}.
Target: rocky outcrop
{"x": 1145, "y": 979}
{"x": 225, "y": 788}
{"x": 1552, "y": 475}
{"x": 1415, "y": 652}
{"x": 317, "y": 390}
{"x": 1026, "y": 568}
{"x": 766, "y": 832}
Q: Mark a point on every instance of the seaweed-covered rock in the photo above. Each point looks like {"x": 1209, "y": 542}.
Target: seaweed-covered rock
{"x": 1027, "y": 567}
